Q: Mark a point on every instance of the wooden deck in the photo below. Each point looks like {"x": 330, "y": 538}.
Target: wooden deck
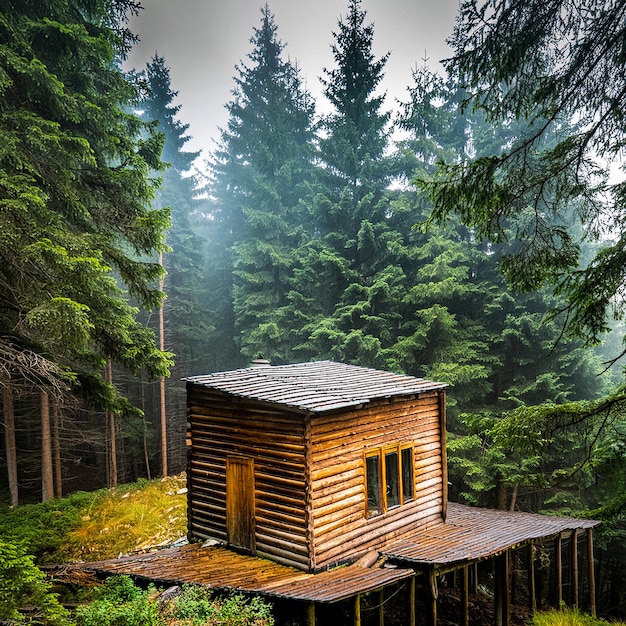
{"x": 222, "y": 569}
{"x": 471, "y": 534}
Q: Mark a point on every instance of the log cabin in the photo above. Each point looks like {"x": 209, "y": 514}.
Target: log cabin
{"x": 314, "y": 464}
{"x": 324, "y": 484}
{"x": 318, "y": 464}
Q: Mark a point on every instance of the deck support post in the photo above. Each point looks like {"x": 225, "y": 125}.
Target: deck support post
{"x": 412, "y": 600}
{"x": 532, "y": 588}
{"x": 432, "y": 593}
{"x": 558, "y": 572}
{"x": 501, "y": 590}
{"x": 465, "y": 595}
{"x": 574, "y": 569}
{"x": 474, "y": 579}
{"x": 310, "y": 614}
{"x": 381, "y": 607}
{"x": 591, "y": 573}
{"x": 357, "y": 610}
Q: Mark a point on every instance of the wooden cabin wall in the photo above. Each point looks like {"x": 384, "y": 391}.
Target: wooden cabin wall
{"x": 221, "y": 426}
{"x": 341, "y": 529}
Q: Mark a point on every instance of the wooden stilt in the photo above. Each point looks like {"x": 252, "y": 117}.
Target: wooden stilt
{"x": 310, "y": 614}
{"x": 412, "y": 600}
{"x": 532, "y": 589}
{"x": 381, "y": 607}
{"x": 558, "y": 572}
{"x": 501, "y": 590}
{"x": 591, "y": 573}
{"x": 574, "y": 569}
{"x": 465, "y": 596}
{"x": 357, "y": 610}
{"x": 432, "y": 592}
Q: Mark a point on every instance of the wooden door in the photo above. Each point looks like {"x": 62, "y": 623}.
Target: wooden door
{"x": 240, "y": 503}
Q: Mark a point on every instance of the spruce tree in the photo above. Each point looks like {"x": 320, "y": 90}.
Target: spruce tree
{"x": 348, "y": 277}
{"x": 547, "y": 65}
{"x": 260, "y": 172}
{"x": 499, "y": 349}
{"x": 186, "y": 328}
{"x": 78, "y": 233}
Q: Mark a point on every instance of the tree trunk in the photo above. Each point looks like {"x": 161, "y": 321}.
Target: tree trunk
{"x": 146, "y": 455}
{"x": 110, "y": 426}
{"x": 47, "y": 481}
{"x": 514, "y": 497}
{"x": 162, "y": 381}
{"x": 56, "y": 449}
{"x": 9, "y": 443}
{"x": 501, "y": 492}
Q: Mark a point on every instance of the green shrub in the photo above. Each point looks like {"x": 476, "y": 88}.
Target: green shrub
{"x": 42, "y": 527}
{"x": 23, "y": 584}
{"x": 199, "y": 606}
{"x": 119, "y": 602}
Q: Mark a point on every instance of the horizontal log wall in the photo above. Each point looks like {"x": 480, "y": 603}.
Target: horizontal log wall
{"x": 340, "y": 528}
{"x": 220, "y": 426}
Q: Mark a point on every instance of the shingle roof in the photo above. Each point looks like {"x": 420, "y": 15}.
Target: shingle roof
{"x": 317, "y": 386}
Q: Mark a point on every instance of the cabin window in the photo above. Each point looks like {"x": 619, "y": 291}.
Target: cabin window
{"x": 390, "y": 478}
{"x": 372, "y": 467}
{"x": 408, "y": 484}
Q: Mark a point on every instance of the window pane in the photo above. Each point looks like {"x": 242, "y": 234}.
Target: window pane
{"x": 407, "y": 474}
{"x": 373, "y": 485}
{"x": 391, "y": 476}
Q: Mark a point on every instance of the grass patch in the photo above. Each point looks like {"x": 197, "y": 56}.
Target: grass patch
{"x": 99, "y": 525}
{"x": 130, "y": 518}
{"x": 569, "y": 617}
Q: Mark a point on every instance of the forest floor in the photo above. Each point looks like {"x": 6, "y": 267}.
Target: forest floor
{"x": 103, "y": 524}
{"x": 148, "y": 515}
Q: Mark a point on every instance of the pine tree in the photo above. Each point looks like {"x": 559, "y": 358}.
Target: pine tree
{"x": 500, "y": 349}
{"x": 547, "y": 65}
{"x": 186, "y": 329}
{"x": 260, "y": 172}
{"x": 75, "y": 198}
{"x": 348, "y": 276}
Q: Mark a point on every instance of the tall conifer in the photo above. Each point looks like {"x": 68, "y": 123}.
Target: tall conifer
{"x": 183, "y": 324}
{"x": 261, "y": 171}
{"x": 75, "y": 200}
{"x": 349, "y": 278}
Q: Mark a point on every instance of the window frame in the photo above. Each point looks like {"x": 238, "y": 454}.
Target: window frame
{"x": 380, "y": 453}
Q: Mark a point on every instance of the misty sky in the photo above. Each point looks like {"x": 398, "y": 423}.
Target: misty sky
{"x": 203, "y": 40}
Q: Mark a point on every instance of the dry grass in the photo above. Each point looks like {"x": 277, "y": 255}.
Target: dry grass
{"x": 130, "y": 519}
{"x": 569, "y": 617}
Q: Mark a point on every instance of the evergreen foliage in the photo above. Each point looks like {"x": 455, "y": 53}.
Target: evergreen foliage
{"x": 23, "y": 584}
{"x": 75, "y": 197}
{"x": 260, "y": 172}
{"x": 188, "y": 329}
{"x": 347, "y": 277}
{"x": 547, "y": 64}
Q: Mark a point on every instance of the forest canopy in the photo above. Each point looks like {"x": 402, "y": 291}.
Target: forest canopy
{"x": 558, "y": 67}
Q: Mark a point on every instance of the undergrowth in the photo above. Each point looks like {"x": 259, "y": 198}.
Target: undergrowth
{"x": 122, "y": 603}
{"x": 101, "y": 524}
{"x": 569, "y": 617}
{"x": 130, "y": 519}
